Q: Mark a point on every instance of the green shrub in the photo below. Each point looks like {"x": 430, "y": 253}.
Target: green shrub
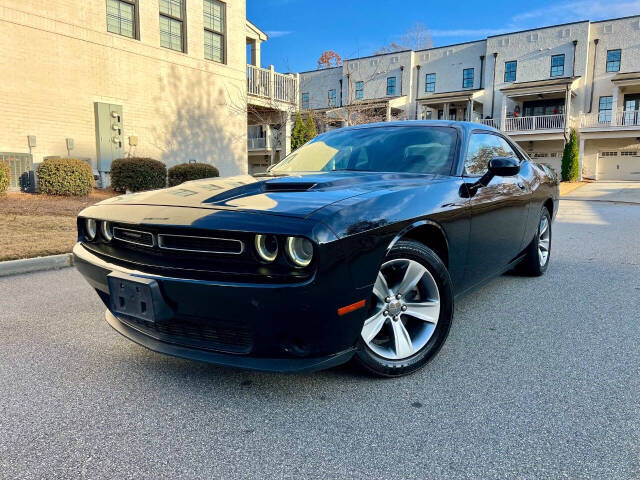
{"x": 310, "y": 131}
{"x": 298, "y": 133}
{"x": 137, "y": 174}
{"x": 65, "y": 176}
{"x": 571, "y": 159}
{"x": 190, "y": 171}
{"x": 4, "y": 176}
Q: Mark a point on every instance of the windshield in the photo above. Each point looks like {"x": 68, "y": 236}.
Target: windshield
{"x": 408, "y": 149}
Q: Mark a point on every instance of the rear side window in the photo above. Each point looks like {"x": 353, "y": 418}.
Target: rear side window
{"x": 482, "y": 148}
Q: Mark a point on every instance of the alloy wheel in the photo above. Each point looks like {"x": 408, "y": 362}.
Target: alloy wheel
{"x": 406, "y": 307}
{"x": 544, "y": 240}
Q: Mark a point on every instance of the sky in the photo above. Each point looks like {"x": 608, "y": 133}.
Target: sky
{"x": 300, "y": 30}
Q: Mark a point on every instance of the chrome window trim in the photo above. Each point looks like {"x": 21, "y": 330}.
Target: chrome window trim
{"x": 115, "y": 236}
{"x": 161, "y": 246}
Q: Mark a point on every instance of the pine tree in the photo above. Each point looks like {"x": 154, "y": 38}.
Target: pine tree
{"x": 298, "y": 134}
{"x": 310, "y": 128}
{"x": 570, "y": 159}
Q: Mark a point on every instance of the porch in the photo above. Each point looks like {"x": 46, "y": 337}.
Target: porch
{"x": 618, "y": 112}
{"x": 538, "y": 108}
{"x": 459, "y": 105}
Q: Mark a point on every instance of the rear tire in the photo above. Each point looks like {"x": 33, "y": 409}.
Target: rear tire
{"x": 538, "y": 253}
{"x": 410, "y": 312}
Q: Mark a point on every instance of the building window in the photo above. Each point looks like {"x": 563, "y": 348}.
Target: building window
{"x": 510, "y": 69}
{"x": 359, "y": 90}
{"x": 430, "y": 83}
{"x": 214, "y": 28}
{"x": 613, "y": 60}
{"x": 604, "y": 109}
{"x": 467, "y": 78}
{"x": 305, "y": 101}
{"x": 121, "y": 17}
{"x": 172, "y": 24}
{"x": 331, "y": 100}
{"x": 557, "y": 65}
{"x": 391, "y": 85}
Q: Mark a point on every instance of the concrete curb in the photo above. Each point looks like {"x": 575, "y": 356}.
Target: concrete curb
{"x": 38, "y": 264}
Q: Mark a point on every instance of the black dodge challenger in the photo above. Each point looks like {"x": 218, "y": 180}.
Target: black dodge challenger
{"x": 354, "y": 246}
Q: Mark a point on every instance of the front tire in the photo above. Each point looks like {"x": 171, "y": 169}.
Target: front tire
{"x": 410, "y": 312}
{"x": 538, "y": 254}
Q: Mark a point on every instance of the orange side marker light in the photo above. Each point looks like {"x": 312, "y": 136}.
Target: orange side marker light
{"x": 350, "y": 308}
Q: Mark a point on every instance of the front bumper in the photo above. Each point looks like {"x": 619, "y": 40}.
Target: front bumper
{"x": 284, "y": 328}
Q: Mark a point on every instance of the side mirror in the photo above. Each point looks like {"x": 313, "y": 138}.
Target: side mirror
{"x": 504, "y": 166}
{"x": 498, "y": 167}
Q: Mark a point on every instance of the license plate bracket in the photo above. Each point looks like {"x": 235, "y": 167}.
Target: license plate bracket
{"x": 137, "y": 297}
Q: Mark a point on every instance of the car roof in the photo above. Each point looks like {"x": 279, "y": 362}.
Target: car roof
{"x": 465, "y": 126}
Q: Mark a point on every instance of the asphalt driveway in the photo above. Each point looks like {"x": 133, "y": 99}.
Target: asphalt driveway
{"x": 540, "y": 378}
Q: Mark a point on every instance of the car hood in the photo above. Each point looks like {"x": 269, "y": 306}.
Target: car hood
{"x": 297, "y": 195}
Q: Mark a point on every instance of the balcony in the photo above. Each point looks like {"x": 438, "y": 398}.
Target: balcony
{"x": 269, "y": 86}
{"x": 257, "y": 143}
{"x": 536, "y": 124}
{"x": 490, "y": 122}
{"x": 622, "y": 120}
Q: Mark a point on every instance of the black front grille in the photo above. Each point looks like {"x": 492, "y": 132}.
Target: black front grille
{"x": 186, "y": 243}
{"x": 137, "y": 237}
{"x": 203, "y": 335}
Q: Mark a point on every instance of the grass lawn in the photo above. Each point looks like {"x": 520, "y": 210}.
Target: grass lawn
{"x": 34, "y": 225}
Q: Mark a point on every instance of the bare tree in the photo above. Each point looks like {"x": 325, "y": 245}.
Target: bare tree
{"x": 417, "y": 37}
{"x": 265, "y": 110}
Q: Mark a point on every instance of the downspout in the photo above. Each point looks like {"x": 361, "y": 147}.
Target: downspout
{"x": 493, "y": 85}
{"x": 593, "y": 73}
{"x": 401, "y": 78}
{"x": 481, "y": 70}
{"x": 417, "y": 88}
{"x": 340, "y": 92}
{"x": 567, "y": 98}
{"x": 573, "y": 69}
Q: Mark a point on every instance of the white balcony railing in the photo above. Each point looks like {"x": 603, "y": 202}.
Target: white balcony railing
{"x": 266, "y": 83}
{"x": 530, "y": 124}
{"x": 258, "y": 143}
{"x": 606, "y": 119}
{"x": 491, "y": 122}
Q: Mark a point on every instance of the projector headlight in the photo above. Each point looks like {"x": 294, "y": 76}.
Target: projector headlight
{"x": 299, "y": 250}
{"x": 107, "y": 231}
{"x": 91, "y": 228}
{"x": 267, "y": 247}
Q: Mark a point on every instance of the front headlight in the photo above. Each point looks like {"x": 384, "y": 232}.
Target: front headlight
{"x": 267, "y": 247}
{"x": 107, "y": 231}
{"x": 299, "y": 250}
{"x": 91, "y": 228}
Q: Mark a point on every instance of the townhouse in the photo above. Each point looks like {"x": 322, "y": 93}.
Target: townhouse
{"x": 534, "y": 85}
{"x": 167, "y": 79}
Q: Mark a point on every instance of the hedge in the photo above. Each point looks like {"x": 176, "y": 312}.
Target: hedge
{"x": 4, "y": 176}
{"x": 65, "y": 176}
{"x": 191, "y": 171}
{"x": 137, "y": 174}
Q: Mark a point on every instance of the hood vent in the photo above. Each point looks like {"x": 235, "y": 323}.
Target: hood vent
{"x": 288, "y": 186}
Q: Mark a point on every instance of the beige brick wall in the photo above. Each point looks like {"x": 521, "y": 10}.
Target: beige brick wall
{"x": 58, "y": 59}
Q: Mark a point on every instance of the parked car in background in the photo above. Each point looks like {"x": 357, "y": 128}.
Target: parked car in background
{"x": 354, "y": 246}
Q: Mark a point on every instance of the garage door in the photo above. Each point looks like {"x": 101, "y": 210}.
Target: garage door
{"x": 551, "y": 159}
{"x": 618, "y": 165}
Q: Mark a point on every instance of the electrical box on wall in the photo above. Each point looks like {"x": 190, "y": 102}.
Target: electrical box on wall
{"x": 109, "y": 134}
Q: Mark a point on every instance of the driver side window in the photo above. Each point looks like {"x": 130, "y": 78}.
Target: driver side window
{"x": 482, "y": 148}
